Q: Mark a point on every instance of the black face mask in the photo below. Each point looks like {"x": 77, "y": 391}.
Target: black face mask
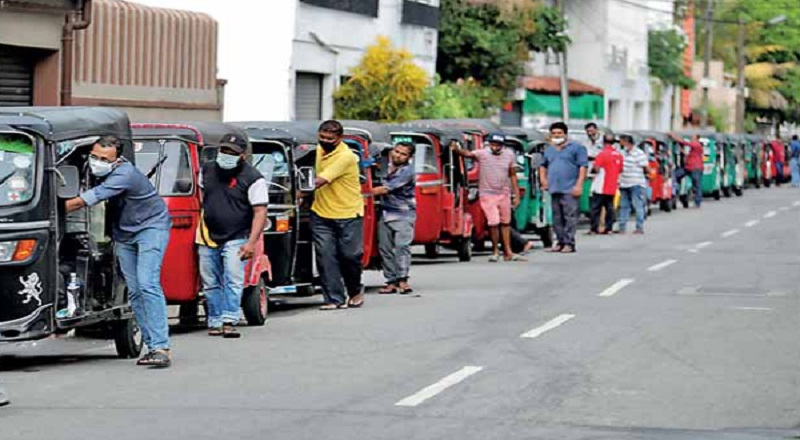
{"x": 328, "y": 146}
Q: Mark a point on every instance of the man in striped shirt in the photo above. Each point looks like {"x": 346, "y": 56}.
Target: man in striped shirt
{"x": 632, "y": 184}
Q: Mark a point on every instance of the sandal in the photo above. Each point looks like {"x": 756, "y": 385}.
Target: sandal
{"x": 145, "y": 360}
{"x": 557, "y": 248}
{"x": 405, "y": 289}
{"x": 356, "y": 301}
{"x": 494, "y": 258}
{"x": 333, "y": 306}
{"x": 230, "y": 332}
{"x": 156, "y": 359}
{"x": 389, "y": 289}
{"x": 215, "y": 331}
{"x": 568, "y": 250}
{"x": 515, "y": 257}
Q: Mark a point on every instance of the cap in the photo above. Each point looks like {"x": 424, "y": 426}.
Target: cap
{"x": 497, "y": 138}
{"x": 234, "y": 142}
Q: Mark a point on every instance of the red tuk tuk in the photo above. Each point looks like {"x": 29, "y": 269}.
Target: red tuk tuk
{"x": 442, "y": 189}
{"x": 656, "y": 146}
{"x": 171, "y": 156}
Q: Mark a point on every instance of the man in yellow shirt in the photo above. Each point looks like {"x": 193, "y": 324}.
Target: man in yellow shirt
{"x": 337, "y": 219}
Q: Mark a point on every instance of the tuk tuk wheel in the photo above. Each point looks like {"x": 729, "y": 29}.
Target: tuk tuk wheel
{"x": 738, "y": 191}
{"x": 255, "y": 304}
{"x": 684, "y": 200}
{"x": 546, "y": 235}
{"x": 127, "y": 338}
{"x": 464, "y": 249}
{"x": 767, "y": 182}
{"x": 716, "y": 194}
{"x": 665, "y": 205}
{"x": 726, "y": 191}
{"x": 188, "y": 314}
{"x": 431, "y": 250}
{"x": 673, "y": 203}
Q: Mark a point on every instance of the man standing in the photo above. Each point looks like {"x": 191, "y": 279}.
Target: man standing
{"x": 235, "y": 201}
{"x": 794, "y": 161}
{"x": 141, "y": 234}
{"x": 594, "y": 145}
{"x": 396, "y": 229}
{"x": 562, "y": 173}
{"x": 498, "y": 191}
{"x": 693, "y": 166}
{"x": 337, "y": 219}
{"x": 632, "y": 184}
{"x": 608, "y": 166}
{"x": 779, "y": 152}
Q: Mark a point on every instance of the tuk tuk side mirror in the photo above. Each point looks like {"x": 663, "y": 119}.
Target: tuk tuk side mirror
{"x": 69, "y": 182}
{"x": 305, "y": 179}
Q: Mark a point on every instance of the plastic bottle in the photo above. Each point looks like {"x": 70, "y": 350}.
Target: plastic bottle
{"x": 73, "y": 293}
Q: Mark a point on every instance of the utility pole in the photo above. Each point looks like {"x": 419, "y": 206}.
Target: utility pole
{"x": 707, "y": 59}
{"x": 740, "y": 63}
{"x": 562, "y": 64}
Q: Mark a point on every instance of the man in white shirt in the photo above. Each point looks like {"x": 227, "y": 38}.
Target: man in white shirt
{"x": 632, "y": 184}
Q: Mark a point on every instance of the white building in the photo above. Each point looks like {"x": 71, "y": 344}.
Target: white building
{"x": 331, "y": 36}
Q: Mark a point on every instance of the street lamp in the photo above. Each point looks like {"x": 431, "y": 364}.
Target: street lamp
{"x": 740, "y": 95}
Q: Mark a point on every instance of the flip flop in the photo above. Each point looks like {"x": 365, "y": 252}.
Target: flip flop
{"x": 516, "y": 257}
{"x": 494, "y": 258}
{"x": 333, "y": 306}
{"x": 389, "y": 289}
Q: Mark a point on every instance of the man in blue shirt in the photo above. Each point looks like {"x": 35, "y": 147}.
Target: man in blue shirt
{"x": 396, "y": 229}
{"x": 141, "y": 233}
{"x": 562, "y": 173}
{"x": 794, "y": 161}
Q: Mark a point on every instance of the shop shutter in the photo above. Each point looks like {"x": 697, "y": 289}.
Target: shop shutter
{"x": 308, "y": 96}
{"x": 16, "y": 78}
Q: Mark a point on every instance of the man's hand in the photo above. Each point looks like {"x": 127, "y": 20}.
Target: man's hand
{"x": 247, "y": 251}
{"x": 577, "y": 191}
{"x": 514, "y": 202}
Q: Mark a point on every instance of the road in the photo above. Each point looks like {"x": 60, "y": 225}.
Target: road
{"x": 688, "y": 332}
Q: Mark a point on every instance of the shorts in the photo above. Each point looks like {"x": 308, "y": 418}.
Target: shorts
{"x": 497, "y": 208}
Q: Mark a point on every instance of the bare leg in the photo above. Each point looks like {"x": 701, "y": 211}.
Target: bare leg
{"x": 495, "y": 234}
{"x": 506, "y": 230}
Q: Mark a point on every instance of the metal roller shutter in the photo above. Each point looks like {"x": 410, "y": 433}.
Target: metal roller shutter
{"x": 308, "y": 96}
{"x": 16, "y": 78}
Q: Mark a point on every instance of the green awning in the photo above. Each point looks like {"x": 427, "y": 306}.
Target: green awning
{"x": 586, "y": 106}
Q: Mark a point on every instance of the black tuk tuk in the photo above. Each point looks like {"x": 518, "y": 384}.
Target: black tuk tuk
{"x": 59, "y": 270}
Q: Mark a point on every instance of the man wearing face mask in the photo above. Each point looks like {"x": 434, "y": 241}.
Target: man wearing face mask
{"x": 337, "y": 219}
{"x": 608, "y": 166}
{"x": 141, "y": 229}
{"x": 562, "y": 173}
{"x": 498, "y": 191}
{"x": 235, "y": 198}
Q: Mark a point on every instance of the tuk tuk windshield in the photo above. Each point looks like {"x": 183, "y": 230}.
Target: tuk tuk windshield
{"x": 425, "y": 160}
{"x": 168, "y": 165}
{"x": 270, "y": 159}
{"x": 17, "y": 169}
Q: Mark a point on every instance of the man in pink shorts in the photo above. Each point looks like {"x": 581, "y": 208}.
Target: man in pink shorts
{"x": 498, "y": 190}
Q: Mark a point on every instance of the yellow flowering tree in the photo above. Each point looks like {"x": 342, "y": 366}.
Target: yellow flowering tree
{"x": 387, "y": 86}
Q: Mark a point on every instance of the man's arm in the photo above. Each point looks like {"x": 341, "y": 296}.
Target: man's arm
{"x": 512, "y": 173}
{"x": 335, "y": 170}
{"x": 583, "y": 162}
{"x": 113, "y": 186}
{"x": 463, "y": 153}
{"x": 543, "y": 177}
{"x": 258, "y": 195}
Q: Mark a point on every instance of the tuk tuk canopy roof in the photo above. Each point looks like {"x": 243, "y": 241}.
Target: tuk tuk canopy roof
{"x": 201, "y": 133}
{"x": 377, "y": 132}
{"x": 483, "y": 125}
{"x": 704, "y": 133}
{"x": 444, "y": 134}
{"x": 525, "y": 134}
{"x": 58, "y": 124}
{"x": 303, "y": 132}
{"x": 651, "y": 134}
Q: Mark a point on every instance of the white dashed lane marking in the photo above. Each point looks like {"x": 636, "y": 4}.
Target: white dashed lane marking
{"x": 616, "y": 287}
{"x": 432, "y": 390}
{"x": 549, "y": 325}
{"x": 770, "y": 214}
{"x": 730, "y": 233}
{"x": 752, "y": 223}
{"x": 661, "y": 265}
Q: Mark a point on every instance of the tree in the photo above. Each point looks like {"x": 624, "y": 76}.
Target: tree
{"x": 386, "y": 86}
{"x": 461, "y": 99}
{"x": 664, "y": 57}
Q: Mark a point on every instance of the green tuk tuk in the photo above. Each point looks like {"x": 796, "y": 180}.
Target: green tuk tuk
{"x": 754, "y": 157}
{"x": 712, "y": 158}
{"x": 731, "y": 165}
{"x": 534, "y": 213}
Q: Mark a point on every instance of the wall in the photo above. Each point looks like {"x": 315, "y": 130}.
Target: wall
{"x": 721, "y": 96}
{"x": 348, "y": 35}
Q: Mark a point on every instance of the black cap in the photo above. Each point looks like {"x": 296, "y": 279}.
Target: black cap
{"x": 234, "y": 142}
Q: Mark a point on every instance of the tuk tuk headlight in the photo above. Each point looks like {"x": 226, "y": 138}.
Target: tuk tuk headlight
{"x": 16, "y": 250}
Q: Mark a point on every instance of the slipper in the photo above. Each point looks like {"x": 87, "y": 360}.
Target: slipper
{"x": 215, "y": 331}
{"x": 557, "y": 248}
{"x": 515, "y": 257}
{"x": 494, "y": 258}
{"x": 333, "y": 306}
{"x": 389, "y": 289}
{"x": 355, "y": 304}
{"x": 230, "y": 332}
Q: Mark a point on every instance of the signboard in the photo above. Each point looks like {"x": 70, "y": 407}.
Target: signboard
{"x": 63, "y": 5}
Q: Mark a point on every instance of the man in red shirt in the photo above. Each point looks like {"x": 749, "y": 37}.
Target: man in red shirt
{"x": 779, "y": 157}
{"x": 693, "y": 166}
{"x": 608, "y": 166}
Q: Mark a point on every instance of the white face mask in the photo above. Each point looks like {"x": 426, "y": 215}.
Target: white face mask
{"x": 100, "y": 168}
{"x": 558, "y": 140}
{"x": 227, "y": 161}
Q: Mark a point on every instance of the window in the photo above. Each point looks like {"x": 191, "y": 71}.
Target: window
{"x": 368, "y": 8}
{"x": 167, "y": 164}
{"x": 420, "y": 14}
{"x": 425, "y": 160}
{"x": 269, "y": 158}
{"x": 17, "y": 169}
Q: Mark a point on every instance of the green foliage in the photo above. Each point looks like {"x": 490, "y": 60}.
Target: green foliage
{"x": 386, "y": 86}
{"x": 462, "y": 99}
{"x": 665, "y": 52}
{"x": 549, "y": 30}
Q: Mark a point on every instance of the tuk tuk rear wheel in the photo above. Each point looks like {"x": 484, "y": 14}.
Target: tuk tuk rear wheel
{"x": 726, "y": 191}
{"x": 716, "y": 194}
{"x": 127, "y": 338}
{"x": 188, "y": 314}
{"x": 255, "y": 304}
{"x": 464, "y": 249}
{"x": 546, "y": 235}
{"x": 684, "y": 200}
{"x": 665, "y": 205}
{"x": 738, "y": 191}
{"x": 431, "y": 250}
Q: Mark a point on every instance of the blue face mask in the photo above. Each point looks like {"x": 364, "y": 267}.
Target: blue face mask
{"x": 227, "y": 161}
{"x": 100, "y": 168}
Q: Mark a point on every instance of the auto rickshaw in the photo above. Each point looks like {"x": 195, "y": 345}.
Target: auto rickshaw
{"x": 657, "y": 147}
{"x": 712, "y": 161}
{"x": 534, "y": 213}
{"x": 442, "y": 189}
{"x": 732, "y": 172}
{"x": 59, "y": 272}
{"x": 171, "y": 155}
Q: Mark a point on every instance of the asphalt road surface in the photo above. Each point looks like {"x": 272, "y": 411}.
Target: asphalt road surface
{"x": 691, "y": 331}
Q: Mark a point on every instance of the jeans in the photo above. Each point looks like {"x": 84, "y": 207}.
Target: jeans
{"x": 697, "y": 182}
{"x": 140, "y": 259}
{"x": 339, "y": 246}
{"x": 565, "y": 218}
{"x": 600, "y": 201}
{"x": 222, "y": 272}
{"x": 794, "y": 166}
{"x": 778, "y": 173}
{"x": 394, "y": 244}
{"x": 631, "y": 196}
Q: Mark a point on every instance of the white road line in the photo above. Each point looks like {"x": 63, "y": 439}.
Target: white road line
{"x": 784, "y": 208}
{"x": 551, "y": 324}
{"x": 616, "y": 287}
{"x": 661, "y": 265}
{"x": 796, "y": 204}
{"x": 770, "y": 214}
{"x": 757, "y": 309}
{"x": 703, "y": 244}
{"x": 431, "y": 391}
{"x": 730, "y": 233}
{"x": 752, "y": 223}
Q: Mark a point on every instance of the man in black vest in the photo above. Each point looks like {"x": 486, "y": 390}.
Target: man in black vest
{"x": 235, "y": 201}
